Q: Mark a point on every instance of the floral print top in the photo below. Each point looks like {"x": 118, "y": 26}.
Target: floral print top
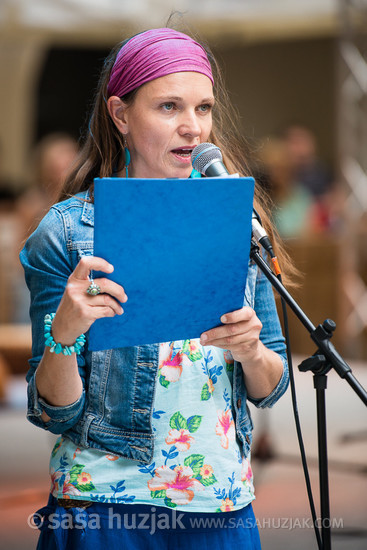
{"x": 196, "y": 466}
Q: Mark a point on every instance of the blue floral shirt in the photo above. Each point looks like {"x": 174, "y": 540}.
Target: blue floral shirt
{"x": 196, "y": 466}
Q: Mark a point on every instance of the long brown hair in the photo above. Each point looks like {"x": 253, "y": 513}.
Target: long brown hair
{"x": 103, "y": 151}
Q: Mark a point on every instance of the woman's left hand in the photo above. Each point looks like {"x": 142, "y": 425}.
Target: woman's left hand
{"x": 240, "y": 334}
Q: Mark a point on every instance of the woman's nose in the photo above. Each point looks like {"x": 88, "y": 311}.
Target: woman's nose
{"x": 189, "y": 124}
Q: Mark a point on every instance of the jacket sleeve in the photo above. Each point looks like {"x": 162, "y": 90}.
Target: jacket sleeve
{"x": 47, "y": 267}
{"x": 271, "y": 336}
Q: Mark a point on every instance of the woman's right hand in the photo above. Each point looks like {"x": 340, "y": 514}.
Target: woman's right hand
{"x": 78, "y": 310}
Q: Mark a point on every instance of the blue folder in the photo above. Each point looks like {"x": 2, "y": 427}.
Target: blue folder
{"x": 180, "y": 248}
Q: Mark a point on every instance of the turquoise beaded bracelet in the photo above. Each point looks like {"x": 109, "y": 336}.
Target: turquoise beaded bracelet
{"x": 77, "y": 347}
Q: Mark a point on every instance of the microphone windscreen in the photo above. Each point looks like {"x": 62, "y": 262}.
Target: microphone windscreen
{"x": 203, "y": 155}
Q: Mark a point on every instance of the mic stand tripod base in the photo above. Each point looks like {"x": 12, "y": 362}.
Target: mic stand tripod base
{"x": 320, "y": 367}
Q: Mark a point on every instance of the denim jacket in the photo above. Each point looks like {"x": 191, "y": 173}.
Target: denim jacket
{"x": 114, "y": 412}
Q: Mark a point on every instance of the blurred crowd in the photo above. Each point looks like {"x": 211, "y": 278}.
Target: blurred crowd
{"x": 306, "y": 199}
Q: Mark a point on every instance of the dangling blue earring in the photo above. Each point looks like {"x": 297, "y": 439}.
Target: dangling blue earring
{"x": 127, "y": 158}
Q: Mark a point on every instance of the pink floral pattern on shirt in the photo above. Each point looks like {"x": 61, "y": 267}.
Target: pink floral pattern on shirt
{"x": 180, "y": 438}
{"x": 196, "y": 464}
{"x": 179, "y": 484}
{"x": 170, "y": 369}
{"x": 225, "y": 428}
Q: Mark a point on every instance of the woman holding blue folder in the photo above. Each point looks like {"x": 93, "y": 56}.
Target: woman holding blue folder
{"x": 155, "y": 440}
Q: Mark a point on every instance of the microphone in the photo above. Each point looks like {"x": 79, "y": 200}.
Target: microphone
{"x": 207, "y": 159}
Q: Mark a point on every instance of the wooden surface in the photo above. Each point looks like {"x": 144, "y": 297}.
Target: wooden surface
{"x": 15, "y": 346}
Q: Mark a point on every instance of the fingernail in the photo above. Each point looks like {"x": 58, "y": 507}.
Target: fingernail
{"x": 203, "y": 338}
{"x": 223, "y": 318}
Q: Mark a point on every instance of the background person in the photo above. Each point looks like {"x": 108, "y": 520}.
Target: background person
{"x": 313, "y": 176}
{"x": 293, "y": 209}
{"x": 51, "y": 160}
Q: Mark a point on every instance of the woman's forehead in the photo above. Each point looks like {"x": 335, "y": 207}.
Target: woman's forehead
{"x": 179, "y": 84}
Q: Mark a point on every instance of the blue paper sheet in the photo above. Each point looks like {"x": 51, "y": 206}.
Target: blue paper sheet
{"x": 180, "y": 249}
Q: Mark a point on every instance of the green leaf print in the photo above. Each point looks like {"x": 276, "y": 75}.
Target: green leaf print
{"x": 163, "y": 382}
{"x": 195, "y": 356}
{"x": 195, "y": 462}
{"x": 192, "y": 351}
{"x": 74, "y": 472}
{"x": 81, "y": 479}
{"x": 158, "y": 494}
{"x": 186, "y": 346}
{"x": 206, "y": 481}
{"x": 168, "y": 502}
{"x": 178, "y": 422}
{"x": 205, "y": 393}
{"x": 193, "y": 423}
{"x": 84, "y": 487}
{"x": 56, "y": 447}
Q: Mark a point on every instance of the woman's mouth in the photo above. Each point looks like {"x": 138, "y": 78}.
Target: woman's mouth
{"x": 183, "y": 154}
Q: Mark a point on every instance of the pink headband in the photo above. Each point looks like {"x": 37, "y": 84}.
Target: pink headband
{"x": 155, "y": 53}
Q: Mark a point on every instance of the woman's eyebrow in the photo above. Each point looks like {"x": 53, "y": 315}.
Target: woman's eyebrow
{"x": 167, "y": 97}
{"x": 178, "y": 98}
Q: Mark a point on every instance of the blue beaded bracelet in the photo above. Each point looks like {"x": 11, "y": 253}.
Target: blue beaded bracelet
{"x": 77, "y": 347}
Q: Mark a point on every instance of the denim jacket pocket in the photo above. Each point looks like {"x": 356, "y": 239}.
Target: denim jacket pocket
{"x": 83, "y": 249}
{"x": 78, "y": 249}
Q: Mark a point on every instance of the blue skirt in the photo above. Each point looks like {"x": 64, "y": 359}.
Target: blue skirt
{"x": 143, "y": 527}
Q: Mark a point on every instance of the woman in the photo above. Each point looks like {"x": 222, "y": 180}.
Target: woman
{"x": 160, "y": 429}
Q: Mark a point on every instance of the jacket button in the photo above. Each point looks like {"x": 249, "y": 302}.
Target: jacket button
{"x": 239, "y": 401}
{"x": 248, "y": 439}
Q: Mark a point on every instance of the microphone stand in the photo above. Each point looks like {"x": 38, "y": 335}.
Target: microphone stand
{"x": 325, "y": 358}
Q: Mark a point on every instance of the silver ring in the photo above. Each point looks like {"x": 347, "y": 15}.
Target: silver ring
{"x": 93, "y": 289}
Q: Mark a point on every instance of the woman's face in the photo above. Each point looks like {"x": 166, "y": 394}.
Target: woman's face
{"x": 168, "y": 118}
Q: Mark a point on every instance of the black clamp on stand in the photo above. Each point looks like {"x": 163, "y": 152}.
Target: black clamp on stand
{"x": 325, "y": 358}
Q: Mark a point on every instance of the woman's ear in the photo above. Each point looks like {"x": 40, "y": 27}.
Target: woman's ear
{"x": 117, "y": 109}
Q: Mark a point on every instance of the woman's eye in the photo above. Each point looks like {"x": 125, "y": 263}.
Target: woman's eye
{"x": 205, "y": 108}
{"x": 167, "y": 106}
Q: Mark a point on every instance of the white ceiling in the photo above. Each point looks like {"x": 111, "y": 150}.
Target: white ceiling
{"x": 72, "y": 14}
